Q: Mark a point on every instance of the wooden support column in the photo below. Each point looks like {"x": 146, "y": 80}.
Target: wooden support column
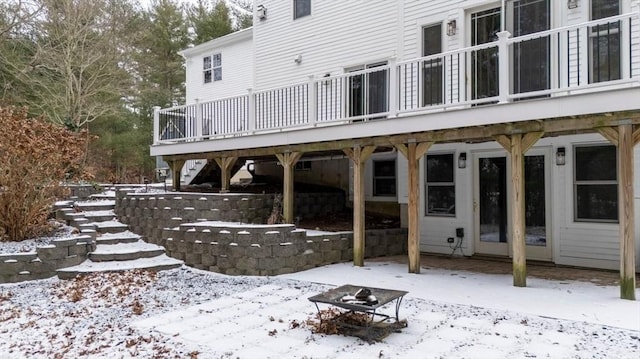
{"x": 413, "y": 152}
{"x": 225, "y": 164}
{"x": 517, "y": 145}
{"x": 288, "y": 161}
{"x": 358, "y": 156}
{"x": 626, "y": 215}
{"x": 625, "y": 139}
{"x": 176, "y": 168}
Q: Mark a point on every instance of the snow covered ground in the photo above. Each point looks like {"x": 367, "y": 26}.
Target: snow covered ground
{"x": 190, "y": 313}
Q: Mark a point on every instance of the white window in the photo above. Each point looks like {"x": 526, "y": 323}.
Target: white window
{"x": 384, "y": 178}
{"x": 441, "y": 187}
{"x": 212, "y": 68}
{"x": 301, "y": 8}
{"x": 596, "y": 184}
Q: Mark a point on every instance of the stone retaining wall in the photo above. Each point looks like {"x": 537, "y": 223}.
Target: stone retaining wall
{"x": 148, "y": 213}
{"x": 43, "y": 263}
{"x": 270, "y": 250}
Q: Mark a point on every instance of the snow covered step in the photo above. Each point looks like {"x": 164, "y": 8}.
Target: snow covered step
{"x": 101, "y": 205}
{"x": 115, "y": 238}
{"x": 125, "y": 251}
{"x": 104, "y": 195}
{"x": 100, "y": 216}
{"x": 157, "y": 263}
{"x": 110, "y": 227}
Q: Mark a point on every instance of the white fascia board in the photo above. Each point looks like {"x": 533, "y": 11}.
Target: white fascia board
{"x": 231, "y": 38}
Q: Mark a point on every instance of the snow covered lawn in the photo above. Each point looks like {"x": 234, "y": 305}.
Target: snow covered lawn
{"x": 190, "y": 313}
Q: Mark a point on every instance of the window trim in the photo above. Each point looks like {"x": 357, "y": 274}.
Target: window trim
{"x": 576, "y": 183}
{"x": 295, "y": 8}
{"x": 212, "y": 68}
{"x": 374, "y": 177}
{"x": 428, "y": 184}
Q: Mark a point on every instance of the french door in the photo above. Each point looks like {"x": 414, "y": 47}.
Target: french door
{"x": 531, "y": 59}
{"x": 492, "y": 191}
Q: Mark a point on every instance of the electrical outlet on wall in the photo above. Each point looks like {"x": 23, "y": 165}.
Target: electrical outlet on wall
{"x": 450, "y": 240}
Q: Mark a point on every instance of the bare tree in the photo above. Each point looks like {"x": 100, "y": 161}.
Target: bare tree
{"x": 76, "y": 71}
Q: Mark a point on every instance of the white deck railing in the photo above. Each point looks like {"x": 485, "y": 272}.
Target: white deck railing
{"x": 595, "y": 56}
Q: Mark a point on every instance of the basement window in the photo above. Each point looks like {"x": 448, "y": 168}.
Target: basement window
{"x": 384, "y": 178}
{"x": 596, "y": 184}
{"x": 440, "y": 186}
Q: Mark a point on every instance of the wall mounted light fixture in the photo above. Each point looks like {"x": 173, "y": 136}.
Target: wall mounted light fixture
{"x": 561, "y": 157}
{"x": 261, "y": 12}
{"x": 451, "y": 28}
{"x": 572, "y": 4}
{"x": 462, "y": 160}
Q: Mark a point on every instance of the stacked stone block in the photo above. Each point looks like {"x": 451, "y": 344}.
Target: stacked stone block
{"x": 270, "y": 250}
{"x": 60, "y": 253}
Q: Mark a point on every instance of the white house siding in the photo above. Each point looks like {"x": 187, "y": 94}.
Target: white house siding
{"x": 572, "y": 243}
{"x": 237, "y": 69}
{"x": 337, "y": 35}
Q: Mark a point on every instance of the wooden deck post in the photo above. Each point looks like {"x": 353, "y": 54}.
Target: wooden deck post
{"x": 288, "y": 161}
{"x": 517, "y": 145}
{"x": 625, "y": 139}
{"x": 626, "y": 212}
{"x": 176, "y": 168}
{"x": 225, "y": 164}
{"x": 413, "y": 152}
{"x": 358, "y": 156}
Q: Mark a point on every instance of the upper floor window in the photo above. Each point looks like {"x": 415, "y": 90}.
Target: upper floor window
{"x": 432, "y": 69}
{"x": 596, "y": 184}
{"x": 212, "y": 68}
{"x": 384, "y": 178}
{"x": 301, "y": 8}
{"x": 604, "y": 42}
{"x": 441, "y": 187}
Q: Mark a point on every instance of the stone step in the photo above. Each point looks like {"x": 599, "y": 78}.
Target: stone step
{"x": 115, "y": 238}
{"x": 110, "y": 194}
{"x": 110, "y": 227}
{"x": 125, "y": 251}
{"x": 101, "y": 205}
{"x": 99, "y": 216}
{"x": 157, "y": 263}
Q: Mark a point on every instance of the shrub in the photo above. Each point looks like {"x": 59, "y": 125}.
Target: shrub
{"x": 35, "y": 158}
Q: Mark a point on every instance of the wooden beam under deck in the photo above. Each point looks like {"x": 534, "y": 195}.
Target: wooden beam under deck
{"x": 358, "y": 156}
{"x": 176, "y": 168}
{"x": 413, "y": 152}
{"x": 288, "y": 161}
{"x": 225, "y": 164}
{"x": 626, "y": 213}
{"x": 517, "y": 145}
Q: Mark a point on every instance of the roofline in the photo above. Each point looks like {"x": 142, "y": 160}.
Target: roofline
{"x": 233, "y": 37}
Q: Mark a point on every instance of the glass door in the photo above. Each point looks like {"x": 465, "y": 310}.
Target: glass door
{"x": 531, "y": 58}
{"x": 485, "y": 26}
{"x": 491, "y": 204}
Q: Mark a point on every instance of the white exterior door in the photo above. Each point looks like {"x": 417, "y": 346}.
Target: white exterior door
{"x": 492, "y": 217}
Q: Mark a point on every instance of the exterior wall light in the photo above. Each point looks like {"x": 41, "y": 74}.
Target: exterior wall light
{"x": 462, "y": 160}
{"x": 572, "y": 4}
{"x": 561, "y": 156}
{"x": 261, "y": 12}
{"x": 451, "y": 28}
